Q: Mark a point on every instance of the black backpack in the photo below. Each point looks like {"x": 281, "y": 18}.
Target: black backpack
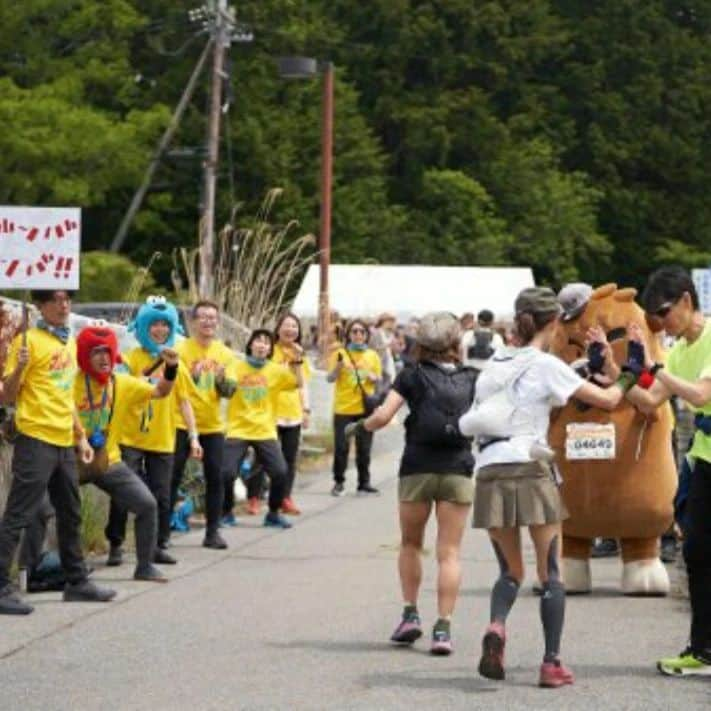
{"x": 481, "y": 348}
{"x": 445, "y": 397}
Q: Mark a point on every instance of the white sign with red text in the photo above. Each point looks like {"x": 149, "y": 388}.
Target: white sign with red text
{"x": 40, "y": 247}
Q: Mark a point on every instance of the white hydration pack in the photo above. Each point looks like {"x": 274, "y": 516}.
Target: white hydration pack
{"x": 500, "y": 415}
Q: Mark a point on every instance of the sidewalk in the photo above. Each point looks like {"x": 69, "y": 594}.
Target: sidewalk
{"x": 300, "y": 620}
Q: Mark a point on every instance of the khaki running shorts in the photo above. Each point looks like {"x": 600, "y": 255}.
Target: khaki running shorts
{"x": 455, "y": 488}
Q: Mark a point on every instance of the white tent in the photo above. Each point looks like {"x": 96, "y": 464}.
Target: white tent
{"x": 412, "y": 290}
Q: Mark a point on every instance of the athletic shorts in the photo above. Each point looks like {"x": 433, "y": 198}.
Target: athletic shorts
{"x": 454, "y": 488}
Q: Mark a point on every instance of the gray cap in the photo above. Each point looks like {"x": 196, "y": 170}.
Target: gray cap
{"x": 573, "y": 299}
{"x": 438, "y": 331}
{"x": 537, "y": 300}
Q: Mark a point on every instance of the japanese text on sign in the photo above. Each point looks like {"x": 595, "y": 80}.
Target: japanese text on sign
{"x": 589, "y": 441}
{"x": 39, "y": 247}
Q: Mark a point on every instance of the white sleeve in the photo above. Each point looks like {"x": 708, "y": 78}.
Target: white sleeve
{"x": 560, "y": 380}
{"x": 496, "y": 341}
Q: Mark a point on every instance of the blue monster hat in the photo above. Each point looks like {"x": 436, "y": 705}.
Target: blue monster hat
{"x": 156, "y": 308}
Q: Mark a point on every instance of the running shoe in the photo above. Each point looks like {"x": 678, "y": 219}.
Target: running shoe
{"x": 441, "y": 642}
{"x": 408, "y": 631}
{"x": 275, "y": 520}
{"x": 554, "y": 674}
{"x": 289, "y": 507}
{"x": 338, "y": 489}
{"x": 686, "y": 664}
{"x": 253, "y": 506}
{"x": 491, "y": 664}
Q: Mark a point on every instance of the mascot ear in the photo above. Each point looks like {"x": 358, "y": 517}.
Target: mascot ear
{"x": 625, "y": 295}
{"x": 603, "y": 291}
{"x": 131, "y": 326}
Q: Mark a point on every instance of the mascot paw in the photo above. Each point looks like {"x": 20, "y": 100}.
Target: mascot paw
{"x": 576, "y": 574}
{"x": 645, "y": 577}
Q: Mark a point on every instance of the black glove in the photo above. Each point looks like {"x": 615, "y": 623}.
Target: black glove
{"x": 596, "y": 357}
{"x": 635, "y": 358}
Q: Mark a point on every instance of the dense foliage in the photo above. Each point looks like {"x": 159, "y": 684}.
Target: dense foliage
{"x": 568, "y": 135}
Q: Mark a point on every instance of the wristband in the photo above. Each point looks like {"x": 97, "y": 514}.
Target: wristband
{"x": 646, "y": 379}
{"x": 170, "y": 372}
{"x": 193, "y": 436}
{"x": 626, "y": 380}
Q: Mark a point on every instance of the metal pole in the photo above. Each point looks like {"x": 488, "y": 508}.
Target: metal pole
{"x": 135, "y": 206}
{"x": 207, "y": 225}
{"x": 324, "y": 313}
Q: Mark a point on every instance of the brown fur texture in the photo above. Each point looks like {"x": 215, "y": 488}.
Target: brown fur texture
{"x": 629, "y": 497}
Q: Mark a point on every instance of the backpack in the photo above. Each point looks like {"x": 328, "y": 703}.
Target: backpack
{"x": 445, "y": 397}
{"x": 481, "y": 348}
{"x": 500, "y": 415}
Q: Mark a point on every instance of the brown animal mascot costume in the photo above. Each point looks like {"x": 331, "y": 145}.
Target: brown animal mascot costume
{"x": 628, "y": 497}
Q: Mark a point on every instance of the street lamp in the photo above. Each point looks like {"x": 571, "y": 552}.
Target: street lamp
{"x": 308, "y": 68}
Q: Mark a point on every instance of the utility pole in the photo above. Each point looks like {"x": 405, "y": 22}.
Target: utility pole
{"x": 167, "y": 137}
{"x": 224, "y": 22}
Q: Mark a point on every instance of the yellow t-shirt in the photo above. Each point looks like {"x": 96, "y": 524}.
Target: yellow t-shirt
{"x": 347, "y": 399}
{"x": 154, "y": 431}
{"x": 44, "y": 405}
{"x": 289, "y": 401}
{"x": 201, "y": 365}
{"x": 251, "y": 410}
{"x": 115, "y": 412}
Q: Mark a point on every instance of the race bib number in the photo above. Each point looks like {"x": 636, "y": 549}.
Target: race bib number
{"x": 589, "y": 441}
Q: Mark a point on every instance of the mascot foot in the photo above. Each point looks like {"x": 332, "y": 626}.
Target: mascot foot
{"x": 645, "y": 577}
{"x": 576, "y": 575}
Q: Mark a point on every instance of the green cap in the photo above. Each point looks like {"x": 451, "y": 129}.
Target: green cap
{"x": 537, "y": 300}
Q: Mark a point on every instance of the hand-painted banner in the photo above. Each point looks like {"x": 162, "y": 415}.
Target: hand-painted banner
{"x": 40, "y": 247}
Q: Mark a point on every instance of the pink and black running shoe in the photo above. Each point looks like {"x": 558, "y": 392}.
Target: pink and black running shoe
{"x": 408, "y": 631}
{"x": 554, "y": 674}
{"x": 491, "y": 664}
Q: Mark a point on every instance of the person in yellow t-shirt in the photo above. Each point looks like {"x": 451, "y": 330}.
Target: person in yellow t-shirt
{"x": 251, "y": 416}
{"x": 354, "y": 368}
{"x": 147, "y": 446}
{"x": 38, "y": 380}
{"x": 110, "y": 404}
{"x": 292, "y": 413}
{"x": 210, "y": 365}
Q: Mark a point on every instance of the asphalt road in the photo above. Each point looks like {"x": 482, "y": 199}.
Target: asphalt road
{"x": 300, "y": 620}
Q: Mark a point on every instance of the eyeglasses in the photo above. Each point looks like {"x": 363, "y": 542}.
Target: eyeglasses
{"x": 357, "y": 330}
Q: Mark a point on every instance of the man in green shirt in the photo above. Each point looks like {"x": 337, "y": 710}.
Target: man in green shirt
{"x": 671, "y": 300}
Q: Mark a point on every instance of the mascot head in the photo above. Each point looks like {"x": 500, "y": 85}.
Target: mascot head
{"x": 155, "y": 309}
{"x": 92, "y": 338}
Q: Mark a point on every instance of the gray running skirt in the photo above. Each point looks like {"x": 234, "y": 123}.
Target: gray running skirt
{"x": 517, "y": 494}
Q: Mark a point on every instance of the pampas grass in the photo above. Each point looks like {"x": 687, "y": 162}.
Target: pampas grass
{"x": 255, "y": 270}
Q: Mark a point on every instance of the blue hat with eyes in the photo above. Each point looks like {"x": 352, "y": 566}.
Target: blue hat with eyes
{"x": 156, "y": 308}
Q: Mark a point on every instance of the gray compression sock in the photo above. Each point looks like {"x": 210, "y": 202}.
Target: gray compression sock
{"x": 553, "y": 605}
{"x": 505, "y": 590}
{"x": 503, "y": 597}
